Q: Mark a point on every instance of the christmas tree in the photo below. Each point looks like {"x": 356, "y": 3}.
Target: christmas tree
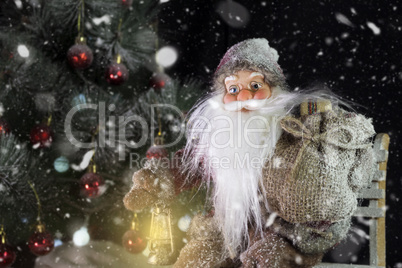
{"x": 84, "y": 103}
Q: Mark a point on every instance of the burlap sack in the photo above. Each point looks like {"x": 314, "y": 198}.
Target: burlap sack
{"x": 320, "y": 163}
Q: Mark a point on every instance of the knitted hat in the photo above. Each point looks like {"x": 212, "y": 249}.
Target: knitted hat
{"x": 251, "y": 54}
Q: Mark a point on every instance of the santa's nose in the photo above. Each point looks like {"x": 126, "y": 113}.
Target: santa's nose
{"x": 244, "y": 95}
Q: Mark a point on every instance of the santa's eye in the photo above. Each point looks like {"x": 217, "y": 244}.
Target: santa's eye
{"x": 255, "y": 86}
{"x": 233, "y": 90}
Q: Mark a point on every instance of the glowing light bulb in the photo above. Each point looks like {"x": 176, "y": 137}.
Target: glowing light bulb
{"x": 166, "y": 56}
{"x": 81, "y": 237}
{"x": 23, "y": 51}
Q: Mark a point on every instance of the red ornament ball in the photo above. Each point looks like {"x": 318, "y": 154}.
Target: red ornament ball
{"x": 126, "y": 3}
{"x": 80, "y": 56}
{"x": 7, "y": 255}
{"x": 92, "y": 185}
{"x": 41, "y": 135}
{"x": 4, "y": 127}
{"x": 116, "y": 74}
{"x": 41, "y": 243}
{"x": 157, "y": 152}
{"x": 134, "y": 241}
{"x": 158, "y": 81}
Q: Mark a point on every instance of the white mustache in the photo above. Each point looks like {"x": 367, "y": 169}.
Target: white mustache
{"x": 248, "y": 104}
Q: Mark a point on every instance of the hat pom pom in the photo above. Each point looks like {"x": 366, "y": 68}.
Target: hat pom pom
{"x": 274, "y": 54}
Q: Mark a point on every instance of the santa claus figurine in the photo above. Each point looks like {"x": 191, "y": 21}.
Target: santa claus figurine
{"x": 284, "y": 168}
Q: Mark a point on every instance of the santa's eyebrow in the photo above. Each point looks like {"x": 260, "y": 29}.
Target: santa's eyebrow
{"x": 253, "y": 74}
{"x": 231, "y": 78}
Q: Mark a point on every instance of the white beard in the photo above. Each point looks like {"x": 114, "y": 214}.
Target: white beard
{"x": 233, "y": 159}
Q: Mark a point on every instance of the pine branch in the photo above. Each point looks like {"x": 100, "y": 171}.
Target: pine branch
{"x": 18, "y": 202}
{"x": 67, "y": 11}
{"x": 47, "y": 34}
{"x": 134, "y": 39}
{"x": 32, "y": 73}
{"x": 86, "y": 128}
{"x": 173, "y": 100}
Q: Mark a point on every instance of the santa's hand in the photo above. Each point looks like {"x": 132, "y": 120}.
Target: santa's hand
{"x": 275, "y": 251}
{"x": 150, "y": 184}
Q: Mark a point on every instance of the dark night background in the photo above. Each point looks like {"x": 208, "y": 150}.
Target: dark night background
{"x": 318, "y": 41}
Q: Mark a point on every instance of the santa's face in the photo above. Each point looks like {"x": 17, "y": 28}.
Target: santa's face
{"x": 246, "y": 85}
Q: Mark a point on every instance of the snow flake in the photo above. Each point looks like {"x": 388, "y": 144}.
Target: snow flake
{"x": 184, "y": 223}
{"x": 277, "y": 161}
{"x": 18, "y": 3}
{"x": 23, "y": 51}
{"x": 36, "y": 146}
{"x": 361, "y": 233}
{"x": 110, "y": 124}
{"x": 106, "y": 19}
{"x": 343, "y": 19}
{"x": 81, "y": 237}
{"x": 166, "y": 56}
{"x": 271, "y": 219}
{"x": 298, "y": 259}
{"x": 344, "y": 35}
{"x": 329, "y": 41}
{"x": 376, "y": 30}
{"x": 117, "y": 221}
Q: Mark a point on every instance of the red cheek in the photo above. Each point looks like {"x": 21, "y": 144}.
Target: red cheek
{"x": 229, "y": 98}
{"x": 262, "y": 94}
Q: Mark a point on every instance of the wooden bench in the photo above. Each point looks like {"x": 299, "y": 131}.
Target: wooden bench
{"x": 375, "y": 210}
